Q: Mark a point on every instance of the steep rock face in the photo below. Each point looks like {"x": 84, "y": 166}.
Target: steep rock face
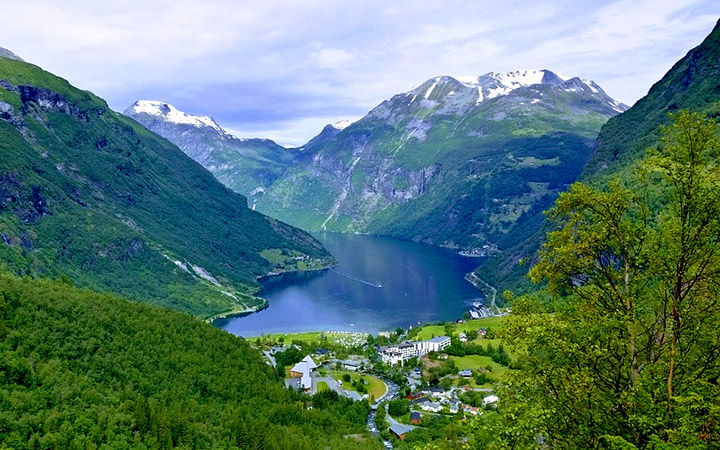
{"x": 244, "y": 165}
{"x": 456, "y": 162}
{"x": 692, "y": 83}
{"x": 89, "y": 194}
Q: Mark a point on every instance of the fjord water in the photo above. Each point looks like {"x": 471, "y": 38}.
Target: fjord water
{"x": 379, "y": 284}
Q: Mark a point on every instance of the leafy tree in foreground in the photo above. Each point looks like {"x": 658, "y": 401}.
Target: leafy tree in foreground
{"x": 622, "y": 347}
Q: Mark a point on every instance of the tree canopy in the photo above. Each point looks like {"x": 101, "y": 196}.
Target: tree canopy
{"x": 622, "y": 349}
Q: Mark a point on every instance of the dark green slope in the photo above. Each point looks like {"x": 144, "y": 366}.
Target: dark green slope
{"x": 692, "y": 83}
{"x": 81, "y": 370}
{"x": 90, "y": 194}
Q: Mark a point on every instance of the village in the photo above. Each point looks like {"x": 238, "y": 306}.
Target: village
{"x": 416, "y": 380}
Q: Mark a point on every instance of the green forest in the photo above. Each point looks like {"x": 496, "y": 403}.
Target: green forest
{"x": 621, "y": 347}
{"x": 90, "y": 194}
{"x": 82, "y": 370}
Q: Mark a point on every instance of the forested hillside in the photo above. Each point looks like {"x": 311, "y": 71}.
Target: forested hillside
{"x": 90, "y": 194}
{"x": 82, "y": 370}
{"x": 693, "y": 83}
{"x": 621, "y": 349}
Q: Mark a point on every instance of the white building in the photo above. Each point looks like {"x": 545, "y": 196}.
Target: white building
{"x": 302, "y": 370}
{"x": 400, "y": 353}
{"x": 431, "y": 406}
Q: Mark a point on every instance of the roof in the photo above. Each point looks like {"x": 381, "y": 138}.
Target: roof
{"x": 311, "y": 364}
{"x": 439, "y": 339}
{"x": 306, "y": 381}
{"x": 399, "y": 429}
{"x": 433, "y": 389}
{"x": 414, "y": 415}
{"x": 466, "y": 373}
{"x": 301, "y": 367}
{"x": 350, "y": 362}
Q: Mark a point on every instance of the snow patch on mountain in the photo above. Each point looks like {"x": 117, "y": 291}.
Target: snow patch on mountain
{"x": 497, "y": 84}
{"x": 174, "y": 115}
{"x": 432, "y": 88}
{"x": 342, "y": 124}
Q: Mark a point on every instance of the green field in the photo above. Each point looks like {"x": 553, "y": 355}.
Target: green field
{"x": 474, "y": 362}
{"x": 322, "y": 386}
{"x": 376, "y": 388}
{"x": 496, "y": 323}
{"x": 308, "y": 337}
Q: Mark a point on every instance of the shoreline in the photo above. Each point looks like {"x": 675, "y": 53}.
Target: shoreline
{"x": 237, "y": 312}
{"x": 265, "y": 280}
{"x": 481, "y": 285}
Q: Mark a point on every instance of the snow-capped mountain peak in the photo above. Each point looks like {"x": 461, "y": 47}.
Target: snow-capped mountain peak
{"x": 445, "y": 89}
{"x": 172, "y": 114}
{"x": 342, "y": 124}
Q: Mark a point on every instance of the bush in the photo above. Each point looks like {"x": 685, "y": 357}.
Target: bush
{"x": 483, "y": 378}
{"x": 398, "y": 407}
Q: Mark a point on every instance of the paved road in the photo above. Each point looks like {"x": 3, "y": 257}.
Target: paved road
{"x": 392, "y": 421}
{"x": 390, "y": 393}
{"x": 332, "y": 384}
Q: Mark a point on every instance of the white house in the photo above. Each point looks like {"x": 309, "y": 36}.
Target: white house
{"x": 490, "y": 400}
{"x": 302, "y": 370}
{"x": 311, "y": 364}
{"x": 351, "y": 365}
{"x": 431, "y": 406}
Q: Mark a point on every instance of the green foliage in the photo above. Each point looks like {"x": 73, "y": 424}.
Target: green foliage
{"x": 90, "y": 194}
{"x": 288, "y": 357}
{"x": 380, "y": 415}
{"x": 85, "y": 370}
{"x": 398, "y": 407}
{"x": 623, "y": 348}
{"x": 692, "y": 83}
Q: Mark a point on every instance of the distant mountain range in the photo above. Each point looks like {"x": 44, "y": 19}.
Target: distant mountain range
{"x": 91, "y": 196}
{"x": 468, "y": 163}
{"x": 692, "y": 83}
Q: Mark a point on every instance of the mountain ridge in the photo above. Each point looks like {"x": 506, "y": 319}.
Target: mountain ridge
{"x": 693, "y": 82}
{"x": 432, "y": 142}
{"x": 89, "y": 194}
{"x": 440, "y": 125}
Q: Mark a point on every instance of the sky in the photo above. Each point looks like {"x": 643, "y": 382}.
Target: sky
{"x": 284, "y": 69}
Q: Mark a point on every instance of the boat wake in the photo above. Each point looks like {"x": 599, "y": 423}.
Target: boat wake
{"x": 354, "y": 278}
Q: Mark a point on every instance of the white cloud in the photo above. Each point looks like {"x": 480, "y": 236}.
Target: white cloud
{"x": 332, "y": 58}
{"x": 282, "y": 67}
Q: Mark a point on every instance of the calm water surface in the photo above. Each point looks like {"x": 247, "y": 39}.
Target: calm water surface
{"x": 379, "y": 284}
